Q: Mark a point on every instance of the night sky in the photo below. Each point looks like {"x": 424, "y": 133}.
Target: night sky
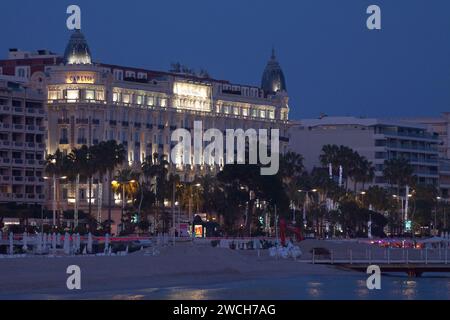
{"x": 332, "y": 62}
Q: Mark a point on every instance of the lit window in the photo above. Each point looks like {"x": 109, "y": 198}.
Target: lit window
{"x": 139, "y": 99}
{"x": 100, "y": 95}
{"x": 53, "y": 95}
{"x": 245, "y": 112}
{"x": 262, "y": 114}
{"x": 90, "y": 95}
{"x": 236, "y": 111}
{"x": 226, "y": 110}
{"x": 150, "y": 101}
{"x": 163, "y": 102}
{"x": 115, "y": 97}
{"x": 272, "y": 114}
{"x": 126, "y": 98}
{"x": 72, "y": 95}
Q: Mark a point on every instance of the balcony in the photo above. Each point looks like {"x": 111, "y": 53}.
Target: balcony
{"x": 95, "y": 121}
{"x": 5, "y": 126}
{"x": 161, "y": 127}
{"x": 18, "y": 179}
{"x": 137, "y": 124}
{"x": 63, "y": 121}
{"x": 112, "y": 122}
{"x": 173, "y": 128}
{"x": 82, "y": 121}
{"x": 18, "y": 110}
{"x": 82, "y": 141}
{"x": 18, "y": 127}
{"x": 125, "y": 123}
{"x": 64, "y": 141}
{"x": 18, "y": 161}
{"x": 149, "y": 126}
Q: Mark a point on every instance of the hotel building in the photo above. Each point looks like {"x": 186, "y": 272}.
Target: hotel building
{"x": 90, "y": 102}
{"x": 376, "y": 139}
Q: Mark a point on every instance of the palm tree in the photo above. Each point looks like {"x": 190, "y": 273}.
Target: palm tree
{"x": 108, "y": 155}
{"x": 398, "y": 172}
{"x": 77, "y": 163}
{"x": 56, "y": 165}
{"x": 126, "y": 184}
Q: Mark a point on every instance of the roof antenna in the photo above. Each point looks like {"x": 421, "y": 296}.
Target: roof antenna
{"x": 273, "y": 52}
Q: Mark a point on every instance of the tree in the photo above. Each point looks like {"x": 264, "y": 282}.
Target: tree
{"x": 110, "y": 156}
{"x": 398, "y": 172}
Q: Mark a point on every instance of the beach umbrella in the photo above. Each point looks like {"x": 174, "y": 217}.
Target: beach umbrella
{"x": 44, "y": 242}
{"x": 54, "y": 242}
{"x": 24, "y": 241}
{"x": 78, "y": 242}
{"x": 66, "y": 244}
{"x": 89, "y": 243}
{"x": 106, "y": 242}
{"x": 58, "y": 239}
{"x": 11, "y": 243}
{"x": 39, "y": 243}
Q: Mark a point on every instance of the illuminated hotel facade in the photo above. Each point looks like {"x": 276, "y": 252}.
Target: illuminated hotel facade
{"x": 91, "y": 102}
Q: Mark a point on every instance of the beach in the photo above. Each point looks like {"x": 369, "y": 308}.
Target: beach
{"x": 184, "y": 265}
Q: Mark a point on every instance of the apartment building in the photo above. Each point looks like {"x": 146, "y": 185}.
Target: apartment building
{"x": 22, "y": 143}
{"x": 376, "y": 139}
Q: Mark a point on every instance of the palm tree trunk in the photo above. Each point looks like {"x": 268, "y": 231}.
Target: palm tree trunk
{"x": 109, "y": 200}
{"x": 99, "y": 199}
{"x": 90, "y": 196}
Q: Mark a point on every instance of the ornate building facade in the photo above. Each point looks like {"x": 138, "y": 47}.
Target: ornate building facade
{"x": 90, "y": 102}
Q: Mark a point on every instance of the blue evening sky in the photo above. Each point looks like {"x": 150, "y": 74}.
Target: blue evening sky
{"x": 332, "y": 63}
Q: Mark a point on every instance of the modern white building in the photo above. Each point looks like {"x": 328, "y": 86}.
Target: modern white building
{"x": 376, "y": 139}
{"x": 441, "y": 126}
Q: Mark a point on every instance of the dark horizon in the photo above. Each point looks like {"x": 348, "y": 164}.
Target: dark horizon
{"x": 332, "y": 63}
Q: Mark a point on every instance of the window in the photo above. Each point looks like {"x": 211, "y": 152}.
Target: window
{"x": 139, "y": 99}
{"x": 150, "y": 101}
{"x": 90, "y": 95}
{"x": 142, "y": 75}
{"x": 116, "y": 96}
{"x": 23, "y": 72}
{"x": 272, "y": 114}
{"x": 262, "y": 113}
{"x": 53, "y": 95}
{"x": 245, "y": 112}
{"x": 126, "y": 98}
{"x": 72, "y": 95}
{"x": 236, "y": 111}
{"x": 118, "y": 75}
{"x": 130, "y": 74}
{"x": 163, "y": 102}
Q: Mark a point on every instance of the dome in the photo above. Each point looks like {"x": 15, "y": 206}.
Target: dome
{"x": 77, "y": 50}
{"x": 273, "y": 77}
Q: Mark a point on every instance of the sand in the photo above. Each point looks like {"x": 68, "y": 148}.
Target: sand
{"x": 183, "y": 265}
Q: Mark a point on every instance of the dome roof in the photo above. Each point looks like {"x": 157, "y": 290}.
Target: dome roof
{"x": 77, "y": 50}
{"x": 273, "y": 77}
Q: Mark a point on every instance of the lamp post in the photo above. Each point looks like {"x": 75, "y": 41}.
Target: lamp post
{"x": 191, "y": 218}
{"x": 54, "y": 204}
{"x": 304, "y": 203}
{"x": 123, "y": 183}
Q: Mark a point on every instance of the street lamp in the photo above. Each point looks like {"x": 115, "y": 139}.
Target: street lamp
{"x": 55, "y": 178}
{"x": 123, "y": 183}
{"x": 304, "y": 203}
